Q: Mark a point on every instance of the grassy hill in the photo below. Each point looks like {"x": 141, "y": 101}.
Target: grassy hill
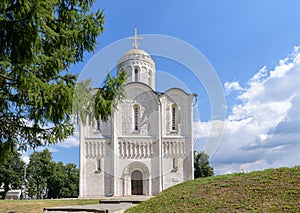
{"x": 272, "y": 190}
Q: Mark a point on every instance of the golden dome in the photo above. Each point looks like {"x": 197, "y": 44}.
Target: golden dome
{"x": 136, "y": 51}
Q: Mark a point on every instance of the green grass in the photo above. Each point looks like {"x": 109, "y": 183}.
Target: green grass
{"x": 272, "y": 190}
{"x": 36, "y": 206}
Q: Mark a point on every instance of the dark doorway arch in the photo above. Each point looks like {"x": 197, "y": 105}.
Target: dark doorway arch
{"x": 136, "y": 182}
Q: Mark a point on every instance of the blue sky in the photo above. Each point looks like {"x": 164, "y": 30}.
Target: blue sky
{"x": 252, "y": 46}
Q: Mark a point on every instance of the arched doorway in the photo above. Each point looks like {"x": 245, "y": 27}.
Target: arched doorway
{"x": 136, "y": 182}
{"x": 136, "y": 179}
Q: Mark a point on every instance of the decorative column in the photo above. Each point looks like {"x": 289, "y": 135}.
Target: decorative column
{"x": 82, "y": 162}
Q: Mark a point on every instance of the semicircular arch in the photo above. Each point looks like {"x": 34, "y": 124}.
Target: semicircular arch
{"x": 137, "y": 166}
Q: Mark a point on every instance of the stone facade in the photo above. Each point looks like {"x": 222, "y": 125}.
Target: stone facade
{"x": 146, "y": 146}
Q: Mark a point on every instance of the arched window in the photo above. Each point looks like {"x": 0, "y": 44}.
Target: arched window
{"x": 174, "y": 117}
{"x": 136, "y": 117}
{"x": 136, "y": 74}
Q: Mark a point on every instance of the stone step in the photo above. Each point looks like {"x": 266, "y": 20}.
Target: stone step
{"x": 119, "y": 201}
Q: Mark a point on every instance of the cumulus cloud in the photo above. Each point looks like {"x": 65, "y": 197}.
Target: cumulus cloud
{"x": 263, "y": 130}
{"x": 72, "y": 141}
{"x": 232, "y": 86}
{"x": 25, "y": 155}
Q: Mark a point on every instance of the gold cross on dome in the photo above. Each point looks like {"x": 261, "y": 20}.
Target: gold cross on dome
{"x": 135, "y": 38}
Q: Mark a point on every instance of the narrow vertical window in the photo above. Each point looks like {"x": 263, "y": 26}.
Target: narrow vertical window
{"x": 174, "y": 118}
{"x": 175, "y": 165}
{"x": 136, "y": 117}
{"x": 98, "y": 165}
{"x": 98, "y": 124}
{"x": 136, "y": 75}
{"x": 149, "y": 78}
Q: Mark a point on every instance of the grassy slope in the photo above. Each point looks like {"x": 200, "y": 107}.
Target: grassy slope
{"x": 35, "y": 206}
{"x": 272, "y": 190}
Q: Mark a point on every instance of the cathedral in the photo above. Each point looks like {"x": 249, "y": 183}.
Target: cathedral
{"x": 147, "y": 145}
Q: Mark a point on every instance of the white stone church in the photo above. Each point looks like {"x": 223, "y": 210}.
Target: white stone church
{"x": 147, "y": 146}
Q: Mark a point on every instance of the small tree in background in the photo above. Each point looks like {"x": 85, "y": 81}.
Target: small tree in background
{"x": 201, "y": 165}
{"x": 64, "y": 181}
{"x": 71, "y": 187}
{"x": 56, "y": 180}
{"x": 50, "y": 179}
{"x": 39, "y": 170}
{"x": 11, "y": 172}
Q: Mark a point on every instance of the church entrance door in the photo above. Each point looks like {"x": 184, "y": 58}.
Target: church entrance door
{"x": 136, "y": 183}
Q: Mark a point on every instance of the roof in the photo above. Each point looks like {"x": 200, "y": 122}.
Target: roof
{"x": 136, "y": 51}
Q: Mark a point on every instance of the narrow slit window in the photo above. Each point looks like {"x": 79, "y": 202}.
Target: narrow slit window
{"x": 136, "y": 75}
{"x": 174, "y": 118}
{"x": 175, "y": 165}
{"x": 98, "y": 124}
{"x": 98, "y": 165}
{"x": 136, "y": 118}
{"x": 149, "y": 78}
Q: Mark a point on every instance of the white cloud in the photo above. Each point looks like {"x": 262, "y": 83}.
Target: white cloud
{"x": 72, "y": 141}
{"x": 25, "y": 157}
{"x": 259, "y": 77}
{"x": 58, "y": 149}
{"x": 264, "y": 129}
{"x": 232, "y": 86}
{"x": 202, "y": 129}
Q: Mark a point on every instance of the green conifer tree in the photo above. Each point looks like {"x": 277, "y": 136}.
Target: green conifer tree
{"x": 39, "y": 41}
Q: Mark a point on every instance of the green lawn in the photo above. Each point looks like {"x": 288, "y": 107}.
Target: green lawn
{"x": 36, "y": 206}
{"x": 272, "y": 190}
